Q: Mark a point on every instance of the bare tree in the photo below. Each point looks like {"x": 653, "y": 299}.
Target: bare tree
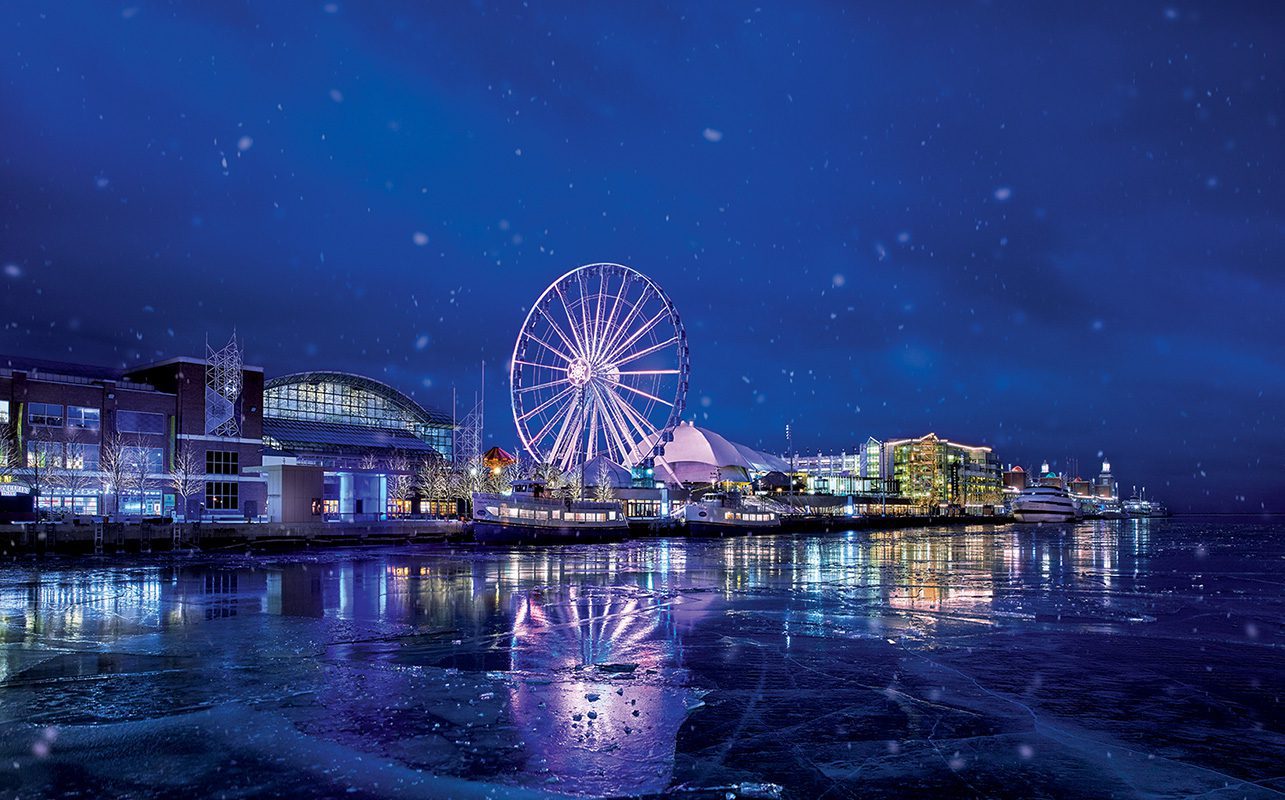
{"x": 187, "y": 475}
{"x": 603, "y": 491}
{"x": 140, "y": 470}
{"x": 467, "y": 478}
{"x": 368, "y": 461}
{"x": 76, "y": 479}
{"x": 401, "y": 483}
{"x": 573, "y": 483}
{"x": 41, "y": 462}
{"x": 114, "y": 464}
{"x": 434, "y": 479}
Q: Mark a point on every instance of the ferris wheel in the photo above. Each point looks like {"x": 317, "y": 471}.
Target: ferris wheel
{"x": 600, "y": 367}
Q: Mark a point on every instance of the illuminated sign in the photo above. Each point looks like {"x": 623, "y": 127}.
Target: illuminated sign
{"x": 13, "y": 490}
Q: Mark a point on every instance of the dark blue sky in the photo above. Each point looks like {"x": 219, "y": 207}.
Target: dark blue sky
{"x": 1054, "y": 228}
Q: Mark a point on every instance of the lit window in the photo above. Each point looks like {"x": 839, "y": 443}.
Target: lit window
{"x": 221, "y": 495}
{"x": 82, "y": 456}
{"x": 152, "y": 457}
{"x": 44, "y": 455}
{"x": 83, "y": 417}
{"x": 45, "y": 414}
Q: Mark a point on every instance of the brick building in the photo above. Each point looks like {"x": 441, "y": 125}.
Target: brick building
{"x": 91, "y": 440}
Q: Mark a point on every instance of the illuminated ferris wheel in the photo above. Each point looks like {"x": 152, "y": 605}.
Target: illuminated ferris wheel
{"x": 599, "y": 368}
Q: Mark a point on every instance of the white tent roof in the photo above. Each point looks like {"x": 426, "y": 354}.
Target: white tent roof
{"x": 696, "y": 452}
{"x": 618, "y": 476}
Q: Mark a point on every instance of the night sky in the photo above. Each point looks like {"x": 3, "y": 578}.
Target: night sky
{"x": 1058, "y": 229}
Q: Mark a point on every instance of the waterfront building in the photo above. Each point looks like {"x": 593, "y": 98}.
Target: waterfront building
{"x": 1050, "y": 478}
{"x": 1104, "y": 486}
{"x": 939, "y": 475}
{"x": 180, "y": 436}
{"x": 697, "y": 456}
{"x": 863, "y": 461}
{"x": 346, "y": 447}
{"x": 1015, "y": 479}
{"x": 1080, "y": 487}
{"x": 642, "y": 498}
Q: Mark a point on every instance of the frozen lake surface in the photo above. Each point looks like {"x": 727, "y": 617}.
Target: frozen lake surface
{"x": 1127, "y": 659}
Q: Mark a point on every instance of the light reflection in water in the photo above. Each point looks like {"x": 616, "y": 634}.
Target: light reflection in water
{"x": 589, "y": 642}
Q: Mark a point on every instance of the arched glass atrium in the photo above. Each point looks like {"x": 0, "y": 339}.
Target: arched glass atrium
{"x": 339, "y": 446}
{"x": 341, "y": 414}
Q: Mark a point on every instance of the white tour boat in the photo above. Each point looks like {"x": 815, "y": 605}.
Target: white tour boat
{"x": 528, "y": 515}
{"x": 1044, "y": 504}
{"x": 726, "y": 515}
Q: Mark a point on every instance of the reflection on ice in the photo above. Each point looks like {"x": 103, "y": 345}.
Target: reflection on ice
{"x": 976, "y": 660}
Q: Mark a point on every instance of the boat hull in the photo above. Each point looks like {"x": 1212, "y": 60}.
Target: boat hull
{"x": 1043, "y": 515}
{"x": 500, "y": 533}
{"x": 720, "y": 529}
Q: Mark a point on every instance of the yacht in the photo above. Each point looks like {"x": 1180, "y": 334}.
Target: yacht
{"x": 1044, "y": 504}
{"x": 529, "y": 515}
{"x": 1139, "y": 506}
{"x": 726, "y": 515}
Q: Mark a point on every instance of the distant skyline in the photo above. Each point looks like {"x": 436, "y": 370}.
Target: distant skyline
{"x": 1055, "y": 230}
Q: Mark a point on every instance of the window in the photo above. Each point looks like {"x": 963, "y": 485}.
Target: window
{"x": 4, "y": 412}
{"x": 47, "y": 414}
{"x": 140, "y": 422}
{"x": 44, "y": 455}
{"x": 221, "y": 496}
{"x": 82, "y": 456}
{"x": 222, "y": 462}
{"x": 152, "y": 456}
{"x": 83, "y": 417}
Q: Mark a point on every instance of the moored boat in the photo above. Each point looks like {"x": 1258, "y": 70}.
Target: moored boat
{"x": 1044, "y": 504}
{"x": 529, "y": 516}
{"x": 726, "y": 515}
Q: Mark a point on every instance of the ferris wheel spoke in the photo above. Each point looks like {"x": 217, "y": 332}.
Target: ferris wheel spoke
{"x": 553, "y": 323}
{"x": 546, "y": 404}
{"x": 550, "y": 348}
{"x": 647, "y": 351}
{"x": 541, "y": 366}
{"x": 645, "y": 394}
{"x": 625, "y": 323}
{"x": 591, "y": 439}
{"x": 609, "y": 328}
{"x": 562, "y": 434}
{"x": 581, "y": 345}
{"x": 620, "y": 349}
{"x": 640, "y": 424}
{"x": 553, "y": 420}
{"x": 599, "y": 302}
{"x": 586, "y": 332}
{"x": 648, "y": 372}
{"x": 619, "y": 434}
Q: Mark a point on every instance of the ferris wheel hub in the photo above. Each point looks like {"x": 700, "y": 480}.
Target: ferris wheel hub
{"x": 579, "y": 372}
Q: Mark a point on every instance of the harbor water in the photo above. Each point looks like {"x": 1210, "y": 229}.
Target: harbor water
{"x": 1111, "y": 658}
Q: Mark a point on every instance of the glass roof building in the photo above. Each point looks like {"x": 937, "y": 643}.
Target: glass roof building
{"x": 343, "y": 447}
{"x": 332, "y": 416}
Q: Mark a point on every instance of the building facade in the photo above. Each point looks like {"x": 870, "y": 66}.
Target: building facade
{"x": 151, "y": 440}
{"x": 339, "y": 446}
{"x": 939, "y": 475}
{"x": 1104, "y": 486}
{"x": 1015, "y": 479}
